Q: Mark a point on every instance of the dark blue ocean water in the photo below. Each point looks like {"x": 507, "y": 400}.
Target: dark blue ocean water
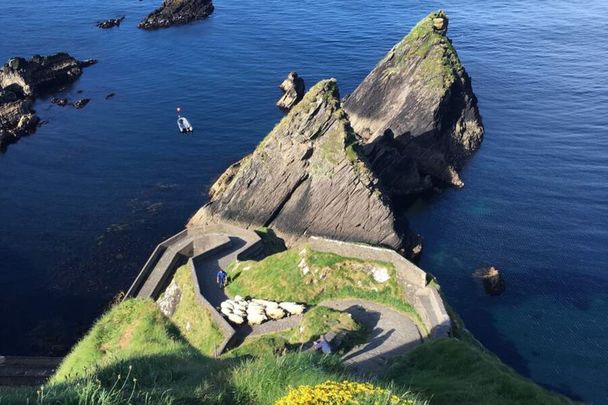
{"x": 85, "y": 199}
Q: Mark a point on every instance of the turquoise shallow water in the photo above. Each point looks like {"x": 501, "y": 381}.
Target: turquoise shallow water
{"x": 84, "y": 200}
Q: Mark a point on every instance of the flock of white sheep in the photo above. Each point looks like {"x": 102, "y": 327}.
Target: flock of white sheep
{"x": 256, "y": 312}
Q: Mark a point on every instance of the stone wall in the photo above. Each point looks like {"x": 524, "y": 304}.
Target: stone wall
{"x": 188, "y": 244}
{"x": 425, "y": 298}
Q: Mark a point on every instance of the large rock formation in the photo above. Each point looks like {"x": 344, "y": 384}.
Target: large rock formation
{"x": 22, "y": 80}
{"x": 177, "y": 12}
{"x": 308, "y": 178}
{"x": 416, "y": 111}
{"x": 293, "y": 90}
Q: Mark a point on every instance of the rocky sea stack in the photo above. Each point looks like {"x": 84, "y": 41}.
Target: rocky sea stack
{"x": 177, "y": 12}
{"x": 308, "y": 178}
{"x": 22, "y": 80}
{"x": 293, "y": 90}
{"x": 333, "y": 170}
{"x": 417, "y": 113}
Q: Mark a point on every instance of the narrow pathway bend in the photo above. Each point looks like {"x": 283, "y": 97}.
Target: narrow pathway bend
{"x": 391, "y": 334}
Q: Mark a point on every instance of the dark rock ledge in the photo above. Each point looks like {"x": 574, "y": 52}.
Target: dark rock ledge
{"x": 21, "y": 81}
{"x": 111, "y": 23}
{"x": 177, "y": 12}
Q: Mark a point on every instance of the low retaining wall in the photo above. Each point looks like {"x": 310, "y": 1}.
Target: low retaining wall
{"x": 425, "y": 299}
{"x": 188, "y": 244}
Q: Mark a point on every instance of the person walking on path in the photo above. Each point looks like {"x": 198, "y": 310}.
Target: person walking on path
{"x": 221, "y": 278}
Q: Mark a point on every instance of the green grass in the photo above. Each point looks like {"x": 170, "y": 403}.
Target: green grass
{"x": 194, "y": 322}
{"x": 450, "y": 371}
{"x": 134, "y": 354}
{"x": 316, "y": 322}
{"x": 132, "y": 351}
{"x": 264, "y": 380}
{"x": 280, "y": 278}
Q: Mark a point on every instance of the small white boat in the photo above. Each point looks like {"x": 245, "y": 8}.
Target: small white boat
{"x": 184, "y": 125}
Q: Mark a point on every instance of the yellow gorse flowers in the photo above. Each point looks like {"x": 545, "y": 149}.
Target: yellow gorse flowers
{"x": 341, "y": 393}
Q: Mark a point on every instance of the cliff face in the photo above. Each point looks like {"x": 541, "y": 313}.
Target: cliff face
{"x": 22, "y": 80}
{"x": 416, "y": 111}
{"x": 307, "y": 177}
{"x": 177, "y": 12}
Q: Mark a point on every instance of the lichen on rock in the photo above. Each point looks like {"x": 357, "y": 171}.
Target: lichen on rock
{"x": 417, "y": 112}
{"x": 307, "y": 177}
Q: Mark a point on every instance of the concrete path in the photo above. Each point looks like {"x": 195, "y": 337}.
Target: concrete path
{"x": 207, "y": 268}
{"x": 391, "y": 334}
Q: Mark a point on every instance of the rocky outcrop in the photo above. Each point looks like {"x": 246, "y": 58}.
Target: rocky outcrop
{"x": 177, "y": 12}
{"x": 293, "y": 90}
{"x": 111, "y": 23}
{"x": 492, "y": 280}
{"x": 417, "y": 113}
{"x": 307, "y": 177}
{"x": 78, "y": 104}
{"x": 22, "y": 80}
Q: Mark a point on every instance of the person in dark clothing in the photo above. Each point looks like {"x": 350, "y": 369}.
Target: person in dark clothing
{"x": 221, "y": 278}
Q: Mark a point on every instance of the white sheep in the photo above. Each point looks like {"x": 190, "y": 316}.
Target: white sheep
{"x": 256, "y": 319}
{"x": 275, "y": 313}
{"x": 236, "y": 319}
{"x": 226, "y": 311}
{"x": 292, "y": 307}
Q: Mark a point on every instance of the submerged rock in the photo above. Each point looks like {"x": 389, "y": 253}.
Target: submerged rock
{"x": 111, "y": 23}
{"x": 293, "y": 90}
{"x": 61, "y": 102}
{"x": 22, "y": 80}
{"x": 177, "y": 12}
{"x": 417, "y": 113}
{"x": 78, "y": 104}
{"x": 307, "y": 177}
{"x": 492, "y": 279}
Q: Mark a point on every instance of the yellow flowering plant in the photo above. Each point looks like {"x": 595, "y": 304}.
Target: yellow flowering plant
{"x": 342, "y": 393}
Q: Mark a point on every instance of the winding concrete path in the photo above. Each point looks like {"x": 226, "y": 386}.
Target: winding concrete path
{"x": 391, "y": 334}
{"x": 208, "y": 266}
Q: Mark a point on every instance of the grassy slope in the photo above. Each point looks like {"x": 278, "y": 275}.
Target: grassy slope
{"x": 452, "y": 371}
{"x": 134, "y": 354}
{"x": 278, "y": 277}
{"x": 132, "y": 351}
{"x": 194, "y": 322}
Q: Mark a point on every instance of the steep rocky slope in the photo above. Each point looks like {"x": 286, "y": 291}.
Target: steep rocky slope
{"x": 416, "y": 111}
{"x": 177, "y": 12}
{"x": 22, "y": 80}
{"x": 306, "y": 177}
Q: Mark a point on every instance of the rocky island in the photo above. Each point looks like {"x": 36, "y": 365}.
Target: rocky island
{"x": 21, "y": 81}
{"x": 334, "y": 170}
{"x": 416, "y": 112}
{"x": 307, "y": 178}
{"x": 177, "y": 12}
